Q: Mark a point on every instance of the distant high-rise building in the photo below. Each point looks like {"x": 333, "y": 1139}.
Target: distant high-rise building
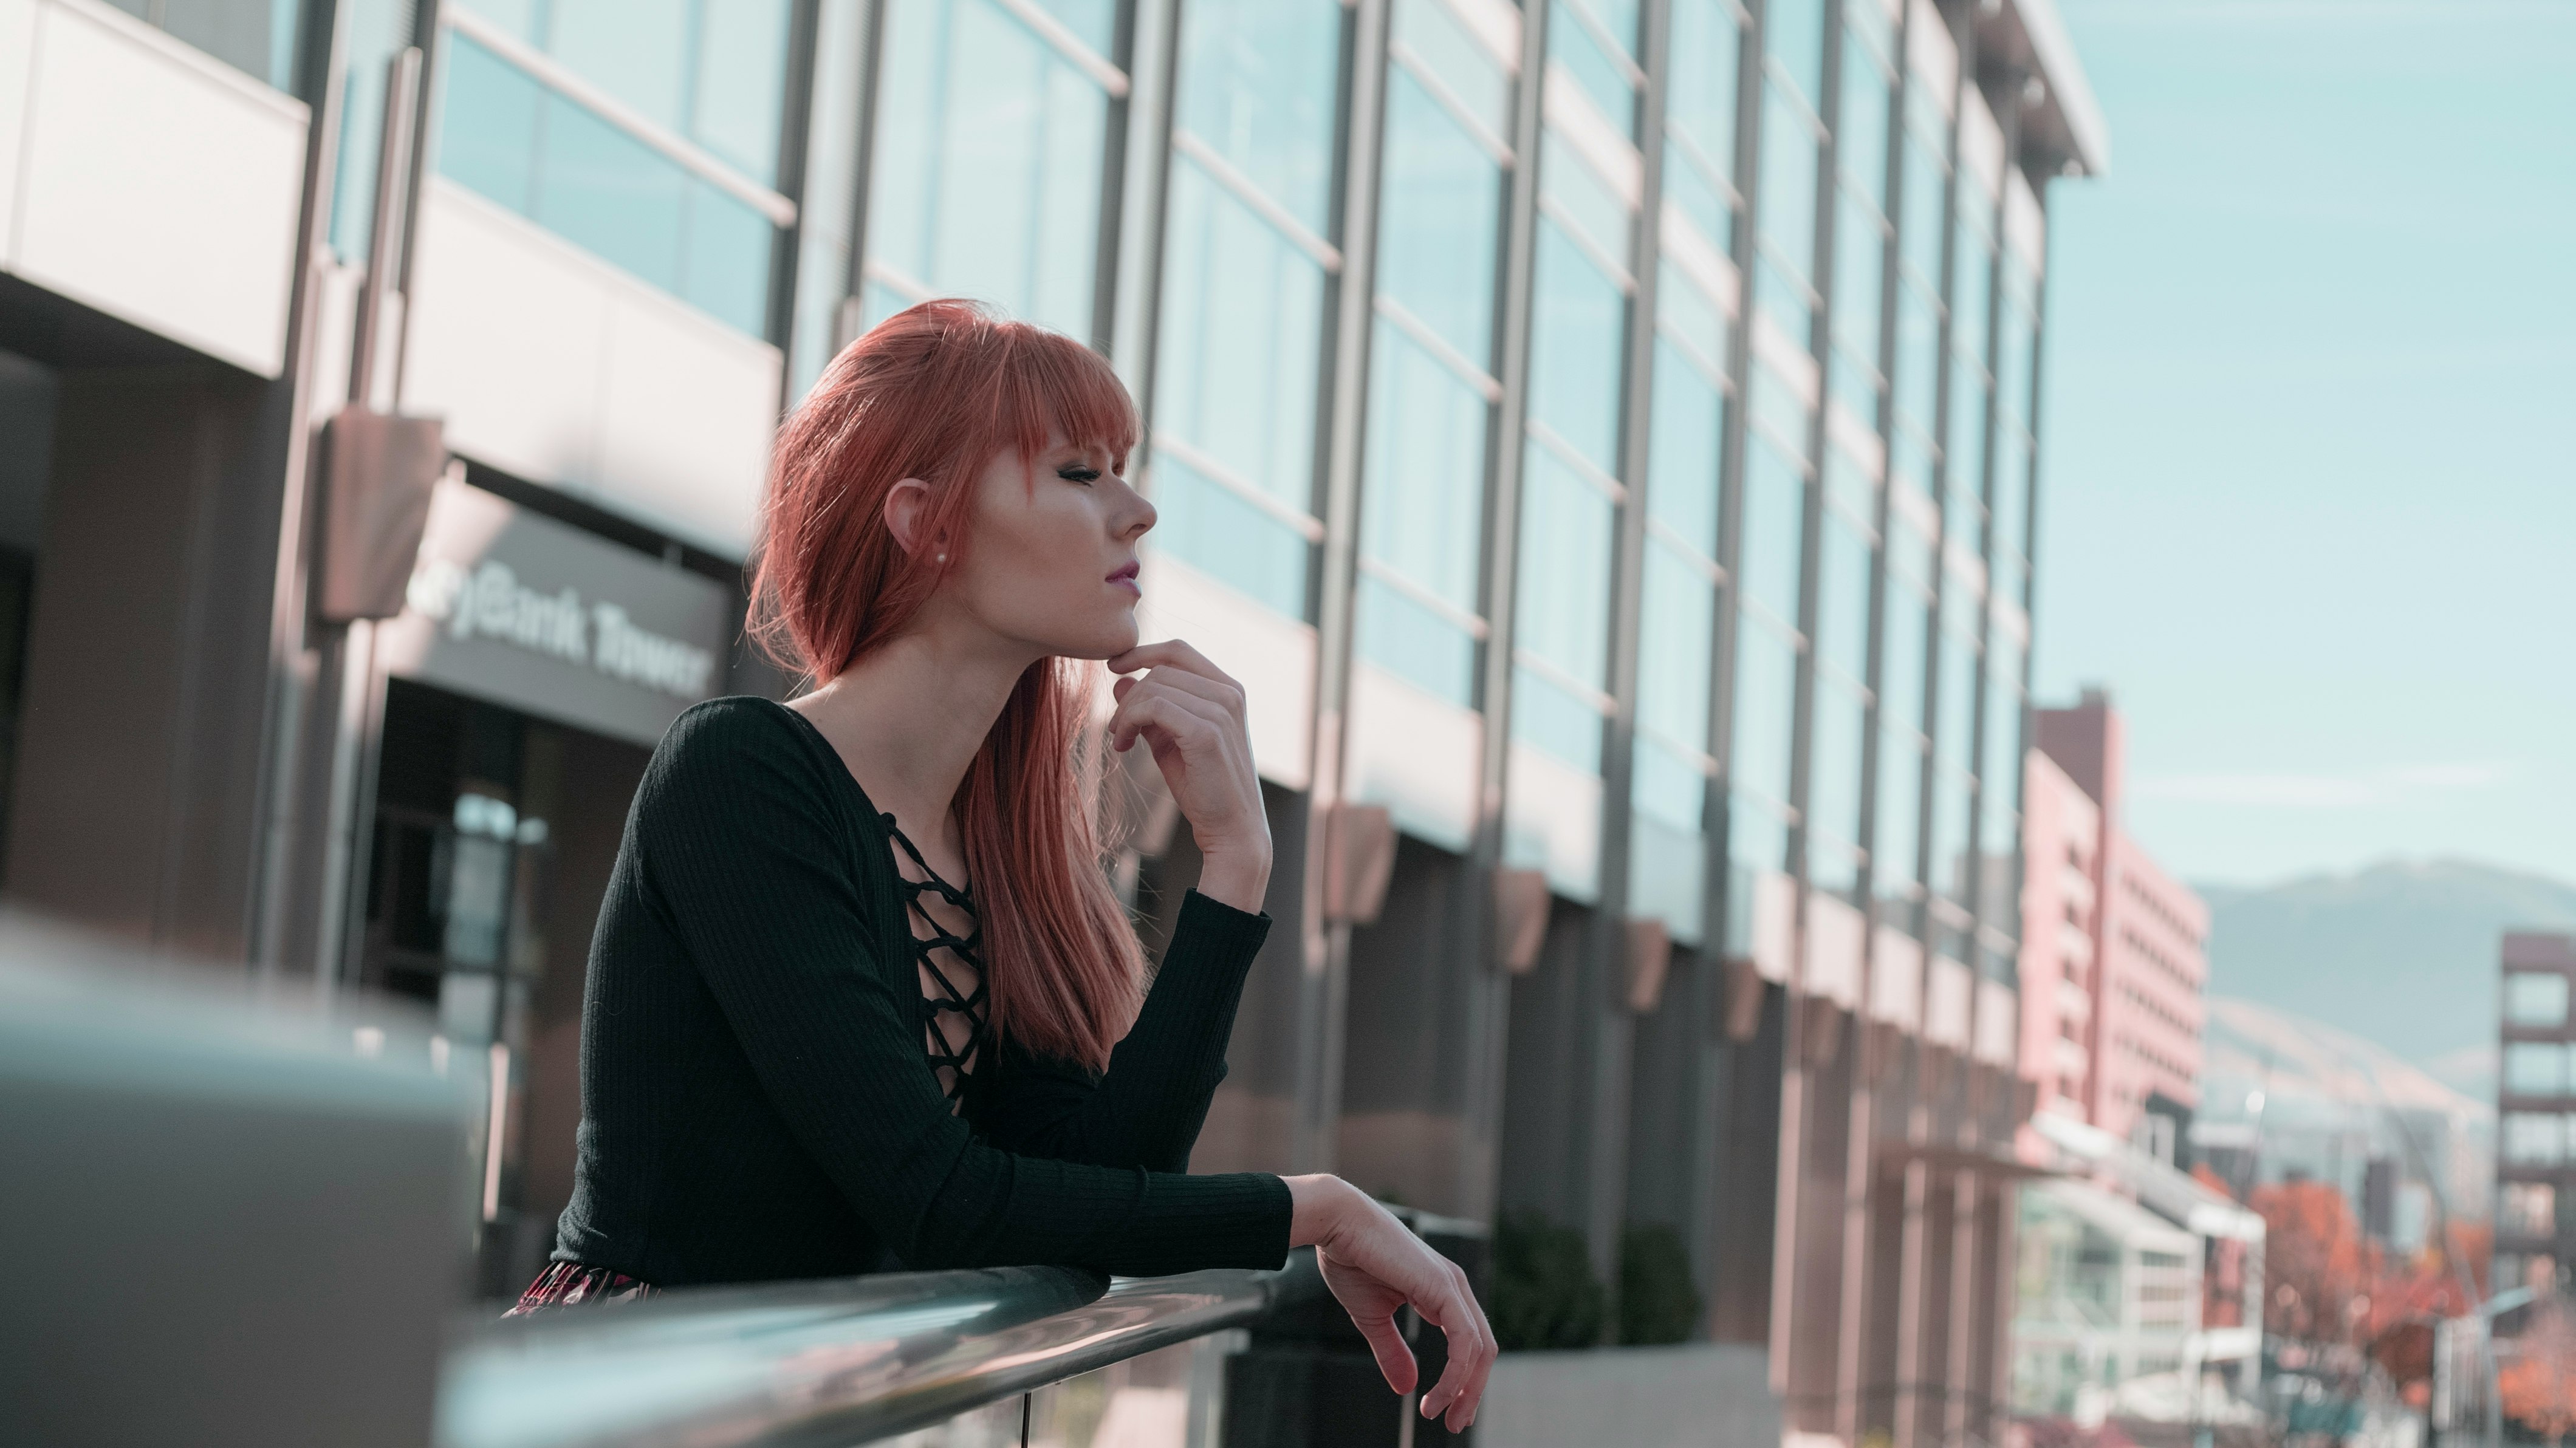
{"x": 2112, "y": 972}
{"x": 2112, "y": 964}
{"x": 2535, "y": 1174}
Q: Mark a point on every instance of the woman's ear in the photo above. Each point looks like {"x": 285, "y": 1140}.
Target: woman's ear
{"x": 905, "y": 504}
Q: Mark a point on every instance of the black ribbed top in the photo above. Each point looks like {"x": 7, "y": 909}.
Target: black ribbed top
{"x": 757, "y": 1102}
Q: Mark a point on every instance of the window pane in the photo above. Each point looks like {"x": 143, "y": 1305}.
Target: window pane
{"x": 2533, "y": 1139}
{"x": 1861, "y": 132}
{"x": 1833, "y": 766}
{"x": 1398, "y": 634}
{"x": 1701, "y": 86}
{"x": 2533, "y": 999}
{"x": 1919, "y": 227}
{"x": 2531, "y": 1069}
{"x": 1551, "y": 718}
{"x": 1572, "y": 44}
{"x": 1774, "y": 495}
{"x": 728, "y": 258}
{"x": 742, "y": 81}
{"x": 1242, "y": 325}
{"x": 636, "y": 50}
{"x": 1563, "y": 610}
{"x": 1901, "y": 656}
{"x": 1207, "y": 524}
{"x": 1674, "y": 651}
{"x": 1860, "y": 255}
{"x": 1896, "y": 840}
{"x": 1788, "y": 211}
{"x": 1583, "y": 197}
{"x": 987, "y": 173}
{"x": 1793, "y": 33}
{"x": 488, "y": 141}
{"x": 1257, "y": 84}
{"x": 1429, "y": 29}
{"x": 1765, "y": 683}
{"x": 1689, "y": 190}
{"x": 1842, "y": 598}
{"x": 1689, "y": 420}
{"x": 1967, "y": 452}
{"x": 1575, "y": 355}
{"x": 1972, "y": 280}
{"x": 605, "y": 191}
{"x": 1951, "y": 877}
{"x": 1757, "y": 843}
{"x": 1918, "y": 360}
{"x": 1423, "y": 507}
{"x": 1443, "y": 213}
{"x": 256, "y": 37}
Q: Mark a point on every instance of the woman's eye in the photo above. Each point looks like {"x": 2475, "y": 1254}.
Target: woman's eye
{"x": 1079, "y": 473}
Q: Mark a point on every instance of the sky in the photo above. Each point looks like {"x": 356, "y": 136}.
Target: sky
{"x": 2308, "y": 501}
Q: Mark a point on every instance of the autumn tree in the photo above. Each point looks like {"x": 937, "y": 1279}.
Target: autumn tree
{"x": 2538, "y": 1378}
{"x": 2316, "y": 1265}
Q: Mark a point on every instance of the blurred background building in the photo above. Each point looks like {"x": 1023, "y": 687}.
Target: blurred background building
{"x": 2140, "y": 1288}
{"x": 1601, "y": 434}
{"x": 2535, "y": 1214}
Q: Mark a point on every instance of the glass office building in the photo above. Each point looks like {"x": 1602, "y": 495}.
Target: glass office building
{"x": 1602, "y": 434}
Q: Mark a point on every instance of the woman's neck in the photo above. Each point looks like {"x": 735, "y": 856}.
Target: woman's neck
{"x": 907, "y": 720}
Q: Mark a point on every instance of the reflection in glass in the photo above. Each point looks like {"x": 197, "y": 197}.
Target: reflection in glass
{"x": 1677, "y": 631}
{"x": 491, "y": 122}
{"x": 1575, "y": 46}
{"x": 1793, "y": 33}
{"x": 1256, "y": 86}
{"x": 1427, "y": 33}
{"x": 986, "y": 181}
{"x": 1688, "y": 422}
{"x": 1766, "y": 676}
{"x": 1205, "y": 522}
{"x": 1575, "y": 354}
{"x": 1700, "y": 90}
{"x": 1834, "y": 759}
{"x": 1788, "y": 212}
{"x": 1240, "y": 365}
{"x": 1767, "y": 565}
{"x": 1443, "y": 208}
{"x": 636, "y": 50}
{"x": 1563, "y": 614}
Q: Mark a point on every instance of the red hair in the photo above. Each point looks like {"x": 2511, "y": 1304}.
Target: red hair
{"x": 935, "y": 392}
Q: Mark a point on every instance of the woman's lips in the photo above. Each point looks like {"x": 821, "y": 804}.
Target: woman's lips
{"x": 1126, "y": 578}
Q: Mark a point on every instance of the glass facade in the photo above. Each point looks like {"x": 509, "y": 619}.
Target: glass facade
{"x": 647, "y": 135}
{"x": 1810, "y": 475}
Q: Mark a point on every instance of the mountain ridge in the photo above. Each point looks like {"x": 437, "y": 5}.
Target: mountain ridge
{"x": 2401, "y": 952}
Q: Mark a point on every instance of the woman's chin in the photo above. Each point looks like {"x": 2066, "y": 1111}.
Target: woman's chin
{"x": 1106, "y": 642}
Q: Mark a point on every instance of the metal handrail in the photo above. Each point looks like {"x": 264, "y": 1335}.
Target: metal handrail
{"x": 821, "y": 1363}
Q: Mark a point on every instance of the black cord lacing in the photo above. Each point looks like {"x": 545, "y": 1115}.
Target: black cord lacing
{"x": 975, "y": 1007}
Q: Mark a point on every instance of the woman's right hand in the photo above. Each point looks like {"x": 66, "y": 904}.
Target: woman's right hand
{"x": 1375, "y": 1265}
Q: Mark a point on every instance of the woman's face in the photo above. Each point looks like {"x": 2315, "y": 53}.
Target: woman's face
{"x": 1052, "y": 562}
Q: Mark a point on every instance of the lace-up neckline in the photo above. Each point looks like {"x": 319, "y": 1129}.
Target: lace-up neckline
{"x": 958, "y": 1059}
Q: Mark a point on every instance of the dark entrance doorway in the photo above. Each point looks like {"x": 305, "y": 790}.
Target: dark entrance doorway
{"x": 494, "y": 835}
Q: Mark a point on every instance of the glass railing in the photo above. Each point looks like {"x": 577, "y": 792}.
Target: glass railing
{"x": 849, "y": 1361}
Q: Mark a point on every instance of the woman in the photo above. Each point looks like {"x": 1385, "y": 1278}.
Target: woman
{"x": 861, "y": 996}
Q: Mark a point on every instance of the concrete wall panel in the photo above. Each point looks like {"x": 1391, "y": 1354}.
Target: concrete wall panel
{"x": 154, "y": 183}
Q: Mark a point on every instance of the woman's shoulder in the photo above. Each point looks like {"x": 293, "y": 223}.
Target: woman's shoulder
{"x": 724, "y": 743}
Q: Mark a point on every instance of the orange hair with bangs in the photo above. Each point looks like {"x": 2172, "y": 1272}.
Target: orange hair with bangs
{"x": 935, "y": 392}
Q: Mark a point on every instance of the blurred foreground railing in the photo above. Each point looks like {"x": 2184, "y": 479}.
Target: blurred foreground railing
{"x": 829, "y": 1363}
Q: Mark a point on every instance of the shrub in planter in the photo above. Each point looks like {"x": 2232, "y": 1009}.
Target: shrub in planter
{"x": 1544, "y": 1294}
{"x": 1657, "y": 1301}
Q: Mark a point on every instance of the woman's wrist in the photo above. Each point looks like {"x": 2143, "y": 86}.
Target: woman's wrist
{"x": 1236, "y": 875}
{"x": 1318, "y": 1208}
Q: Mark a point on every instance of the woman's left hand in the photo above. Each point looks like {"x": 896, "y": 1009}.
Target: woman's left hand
{"x": 1190, "y": 713}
